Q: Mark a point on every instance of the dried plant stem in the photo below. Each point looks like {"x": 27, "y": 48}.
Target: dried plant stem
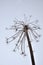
{"x": 30, "y": 48}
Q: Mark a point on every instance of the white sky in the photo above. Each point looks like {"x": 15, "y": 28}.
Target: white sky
{"x": 9, "y": 9}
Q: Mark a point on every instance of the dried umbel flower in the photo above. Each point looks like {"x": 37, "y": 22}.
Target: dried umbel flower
{"x": 22, "y": 28}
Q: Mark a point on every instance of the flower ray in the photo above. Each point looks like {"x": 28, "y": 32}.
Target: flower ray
{"x": 18, "y": 41}
{"x": 13, "y": 37}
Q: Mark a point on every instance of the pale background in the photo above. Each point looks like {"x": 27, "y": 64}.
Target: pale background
{"x": 9, "y": 9}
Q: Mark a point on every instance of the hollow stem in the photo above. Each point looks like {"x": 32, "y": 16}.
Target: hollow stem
{"x": 30, "y": 48}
